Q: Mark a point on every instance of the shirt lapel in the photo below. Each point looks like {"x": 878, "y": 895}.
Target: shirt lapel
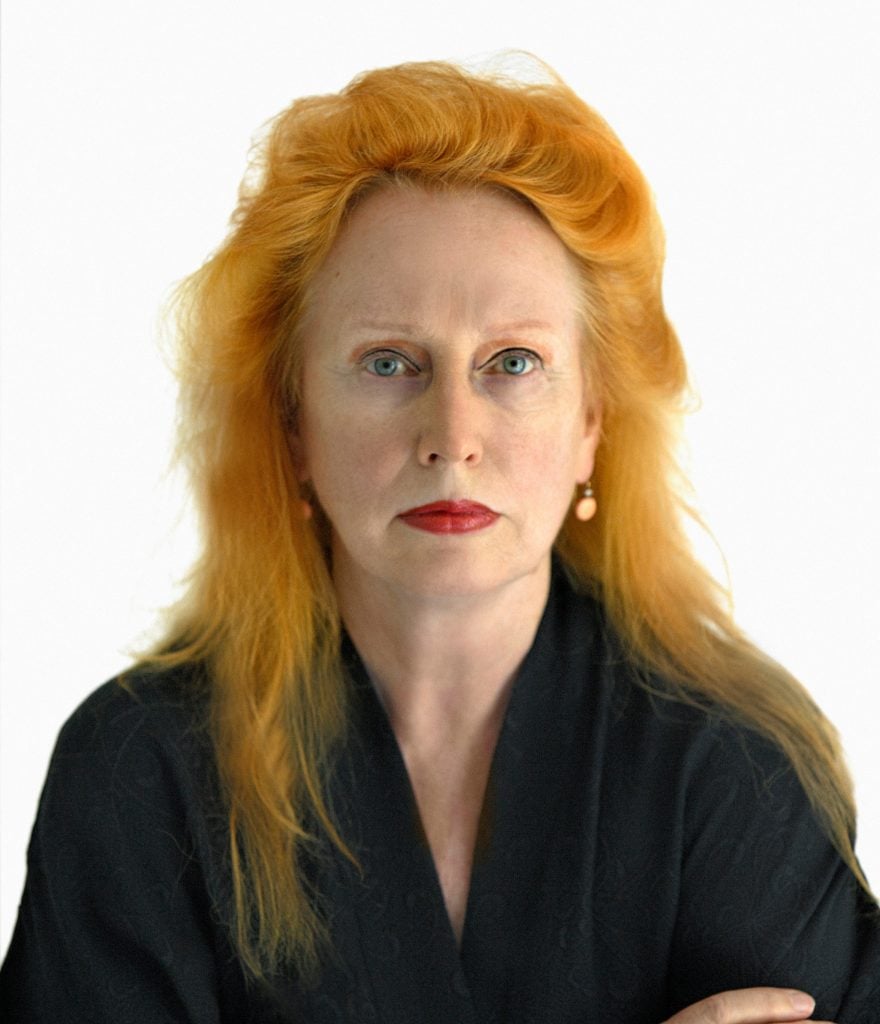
{"x": 406, "y": 938}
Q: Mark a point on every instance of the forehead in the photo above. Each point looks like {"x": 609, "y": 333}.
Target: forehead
{"x": 408, "y": 248}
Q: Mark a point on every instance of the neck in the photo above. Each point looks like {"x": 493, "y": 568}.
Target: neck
{"x": 441, "y": 664}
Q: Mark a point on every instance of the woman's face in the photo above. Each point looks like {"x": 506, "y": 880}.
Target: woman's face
{"x": 441, "y": 363}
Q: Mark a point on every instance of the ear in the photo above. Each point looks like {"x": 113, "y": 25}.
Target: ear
{"x": 586, "y": 455}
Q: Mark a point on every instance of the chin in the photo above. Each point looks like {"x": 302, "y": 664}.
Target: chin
{"x": 464, "y": 574}
{"x": 440, "y": 568}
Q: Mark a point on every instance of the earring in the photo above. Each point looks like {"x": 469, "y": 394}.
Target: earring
{"x": 586, "y": 506}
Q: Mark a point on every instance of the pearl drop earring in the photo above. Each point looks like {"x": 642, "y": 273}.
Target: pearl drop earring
{"x": 586, "y": 507}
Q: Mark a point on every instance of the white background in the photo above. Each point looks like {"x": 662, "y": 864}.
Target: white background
{"x": 125, "y": 132}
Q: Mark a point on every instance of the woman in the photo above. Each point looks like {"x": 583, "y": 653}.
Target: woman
{"x": 451, "y": 725}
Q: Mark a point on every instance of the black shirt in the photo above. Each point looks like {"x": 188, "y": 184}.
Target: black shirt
{"x": 635, "y": 855}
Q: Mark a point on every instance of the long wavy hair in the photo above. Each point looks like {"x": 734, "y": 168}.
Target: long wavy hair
{"x": 260, "y": 611}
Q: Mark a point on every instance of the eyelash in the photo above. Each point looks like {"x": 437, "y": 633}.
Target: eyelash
{"x": 389, "y": 355}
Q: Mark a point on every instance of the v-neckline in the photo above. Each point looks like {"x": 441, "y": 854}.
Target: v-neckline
{"x": 401, "y": 881}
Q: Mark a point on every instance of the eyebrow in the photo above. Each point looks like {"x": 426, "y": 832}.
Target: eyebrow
{"x": 411, "y": 329}
{"x": 385, "y": 326}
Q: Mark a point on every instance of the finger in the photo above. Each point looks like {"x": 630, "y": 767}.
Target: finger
{"x": 749, "y": 1006}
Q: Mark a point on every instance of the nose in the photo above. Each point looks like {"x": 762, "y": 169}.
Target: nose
{"x": 451, "y": 428}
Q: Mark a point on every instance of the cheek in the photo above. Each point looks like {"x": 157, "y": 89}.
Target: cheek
{"x": 350, "y": 457}
{"x": 543, "y": 467}
{"x": 550, "y": 450}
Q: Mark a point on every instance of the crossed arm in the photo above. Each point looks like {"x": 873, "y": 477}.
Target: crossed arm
{"x": 750, "y": 1006}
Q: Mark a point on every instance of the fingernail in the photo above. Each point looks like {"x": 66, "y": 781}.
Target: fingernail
{"x": 802, "y": 1003}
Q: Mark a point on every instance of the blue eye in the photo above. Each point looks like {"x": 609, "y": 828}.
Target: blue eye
{"x": 388, "y": 363}
{"x": 518, "y": 363}
{"x": 384, "y": 366}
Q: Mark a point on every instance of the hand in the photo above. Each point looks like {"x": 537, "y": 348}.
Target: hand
{"x": 749, "y": 1006}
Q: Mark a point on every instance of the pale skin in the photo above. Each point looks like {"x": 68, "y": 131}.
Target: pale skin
{"x": 442, "y": 361}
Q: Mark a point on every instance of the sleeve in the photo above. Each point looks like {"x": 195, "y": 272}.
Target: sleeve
{"x": 765, "y": 897}
{"x": 115, "y": 923}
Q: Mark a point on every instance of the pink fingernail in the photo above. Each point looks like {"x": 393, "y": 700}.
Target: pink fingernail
{"x": 802, "y": 1003}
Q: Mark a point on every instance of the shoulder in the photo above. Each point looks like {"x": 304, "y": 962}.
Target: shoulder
{"x": 138, "y": 745}
{"x": 131, "y": 792}
{"x": 166, "y": 705}
{"x": 702, "y": 759}
{"x": 684, "y": 749}
{"x": 578, "y": 626}
{"x": 127, "y": 902}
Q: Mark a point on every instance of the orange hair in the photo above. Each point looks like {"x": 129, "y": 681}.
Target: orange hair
{"x": 261, "y": 610}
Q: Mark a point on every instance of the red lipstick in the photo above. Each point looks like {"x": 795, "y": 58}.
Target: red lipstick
{"x": 449, "y": 517}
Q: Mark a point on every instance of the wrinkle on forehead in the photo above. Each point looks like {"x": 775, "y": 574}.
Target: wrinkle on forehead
{"x": 369, "y": 266}
{"x": 362, "y": 283}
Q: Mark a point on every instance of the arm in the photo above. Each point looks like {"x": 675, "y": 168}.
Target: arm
{"x": 765, "y": 898}
{"x": 115, "y": 922}
{"x": 749, "y": 1006}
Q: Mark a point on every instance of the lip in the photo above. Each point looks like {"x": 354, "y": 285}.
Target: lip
{"x": 450, "y": 517}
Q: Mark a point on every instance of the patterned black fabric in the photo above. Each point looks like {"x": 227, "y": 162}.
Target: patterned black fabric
{"x": 635, "y": 856}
